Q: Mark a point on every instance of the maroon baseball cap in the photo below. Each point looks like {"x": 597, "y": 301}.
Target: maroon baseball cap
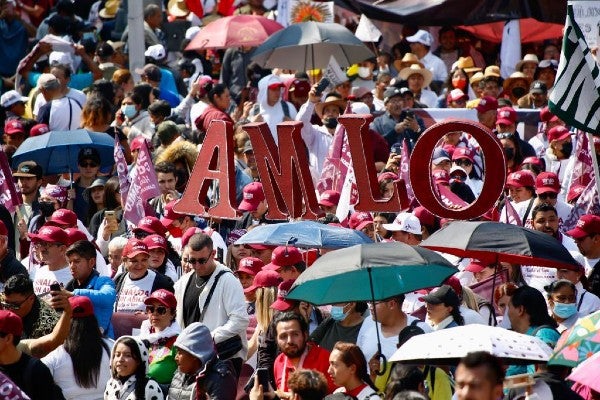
{"x": 164, "y": 297}
{"x": 13, "y": 126}
{"x": 250, "y": 265}
{"x": 300, "y": 87}
{"x": 533, "y": 160}
{"x": 547, "y": 182}
{"x": 329, "y": 198}
{"x": 486, "y": 104}
{"x": 284, "y": 256}
{"x": 258, "y": 246}
{"x": 574, "y": 192}
{"x": 253, "y": 194}
{"x": 51, "y": 234}
{"x": 425, "y": 216}
{"x": 462, "y": 152}
{"x": 133, "y": 247}
{"x": 521, "y": 178}
{"x": 189, "y": 232}
{"x": 587, "y": 224}
{"x": 82, "y": 306}
{"x": 506, "y": 116}
{"x": 265, "y": 278}
{"x": 170, "y": 215}
{"x": 441, "y": 177}
{"x": 155, "y": 242}
{"x": 75, "y": 235}
{"x": 136, "y": 143}
{"x": 359, "y": 219}
{"x": 281, "y": 304}
{"x": 63, "y": 218}
{"x": 11, "y": 323}
{"x": 547, "y": 116}
{"x": 151, "y": 225}
{"x": 558, "y": 133}
{"x": 475, "y": 266}
{"x": 38, "y": 129}
{"x": 387, "y": 175}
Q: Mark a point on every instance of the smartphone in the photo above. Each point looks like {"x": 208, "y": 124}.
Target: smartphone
{"x": 410, "y": 114}
{"x": 321, "y": 86}
{"x": 111, "y": 221}
{"x": 55, "y": 287}
{"x": 396, "y": 148}
{"x": 263, "y": 378}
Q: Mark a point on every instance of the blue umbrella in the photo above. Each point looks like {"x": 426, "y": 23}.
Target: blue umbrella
{"x": 57, "y": 151}
{"x": 304, "y": 234}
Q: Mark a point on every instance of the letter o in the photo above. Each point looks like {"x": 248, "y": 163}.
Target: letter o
{"x": 493, "y": 160}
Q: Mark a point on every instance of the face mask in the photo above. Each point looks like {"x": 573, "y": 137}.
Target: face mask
{"x": 285, "y": 77}
{"x": 509, "y": 153}
{"x": 505, "y": 323}
{"x": 364, "y": 72}
{"x": 459, "y": 83}
{"x": 564, "y": 310}
{"x": 567, "y": 149}
{"x": 129, "y": 110}
{"x": 331, "y": 123}
{"x": 337, "y": 313}
{"x": 176, "y": 232}
{"x": 89, "y": 35}
{"x": 46, "y": 208}
{"x": 518, "y": 92}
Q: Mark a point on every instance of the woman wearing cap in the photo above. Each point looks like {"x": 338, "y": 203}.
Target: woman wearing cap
{"x": 81, "y": 365}
{"x": 160, "y": 330}
{"x": 158, "y": 261}
{"x": 128, "y": 367}
{"x": 348, "y": 369}
{"x": 264, "y": 287}
{"x": 95, "y": 196}
{"x": 443, "y": 308}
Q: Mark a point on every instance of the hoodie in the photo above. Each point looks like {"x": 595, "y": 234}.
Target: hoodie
{"x": 275, "y": 114}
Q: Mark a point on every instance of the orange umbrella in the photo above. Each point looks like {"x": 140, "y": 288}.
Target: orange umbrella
{"x": 531, "y": 30}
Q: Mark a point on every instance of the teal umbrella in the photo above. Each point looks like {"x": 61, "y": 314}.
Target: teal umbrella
{"x": 370, "y": 272}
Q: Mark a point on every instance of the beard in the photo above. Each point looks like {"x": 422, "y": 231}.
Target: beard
{"x": 293, "y": 351}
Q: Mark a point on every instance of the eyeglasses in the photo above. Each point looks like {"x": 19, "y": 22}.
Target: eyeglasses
{"x": 545, "y": 196}
{"x": 505, "y": 135}
{"x": 88, "y": 165}
{"x": 13, "y": 306}
{"x": 161, "y": 310}
{"x": 466, "y": 163}
{"x": 200, "y": 261}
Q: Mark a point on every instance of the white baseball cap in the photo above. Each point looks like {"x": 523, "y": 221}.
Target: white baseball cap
{"x": 405, "y": 222}
{"x": 421, "y": 36}
{"x": 11, "y": 97}
{"x": 156, "y": 51}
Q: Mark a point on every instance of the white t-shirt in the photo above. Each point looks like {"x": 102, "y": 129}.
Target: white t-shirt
{"x": 74, "y": 94}
{"x": 133, "y": 293}
{"x": 61, "y": 367}
{"x": 44, "y": 278}
{"x": 65, "y": 114}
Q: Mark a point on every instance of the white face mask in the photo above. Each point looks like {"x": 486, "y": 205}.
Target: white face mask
{"x": 364, "y": 72}
{"x": 285, "y": 77}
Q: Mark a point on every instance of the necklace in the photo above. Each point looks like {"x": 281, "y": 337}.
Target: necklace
{"x": 196, "y": 282}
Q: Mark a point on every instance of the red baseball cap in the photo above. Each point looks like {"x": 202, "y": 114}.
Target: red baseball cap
{"x": 151, "y": 225}
{"x": 547, "y": 116}
{"x": 155, "y": 242}
{"x": 75, "y": 235}
{"x": 63, "y": 218}
{"x": 456, "y": 95}
{"x": 11, "y": 323}
{"x": 486, "y": 104}
{"x": 189, "y": 232}
{"x": 462, "y": 152}
{"x": 506, "y": 116}
{"x": 455, "y": 284}
{"x": 521, "y": 178}
{"x": 441, "y": 177}
{"x": 558, "y": 133}
{"x": 281, "y": 304}
{"x": 38, "y": 129}
{"x": 49, "y": 233}
{"x": 387, "y": 175}
{"x": 170, "y": 215}
{"x": 533, "y": 160}
{"x": 276, "y": 85}
{"x": 13, "y": 126}
{"x": 133, "y": 247}
{"x": 574, "y": 192}
{"x": 136, "y": 143}
{"x": 253, "y": 194}
{"x": 250, "y": 265}
{"x": 164, "y": 297}
{"x": 587, "y": 224}
{"x": 329, "y": 198}
{"x": 284, "y": 256}
{"x": 475, "y": 266}
{"x": 82, "y": 306}
{"x": 547, "y": 182}
{"x": 265, "y": 278}
{"x": 359, "y": 219}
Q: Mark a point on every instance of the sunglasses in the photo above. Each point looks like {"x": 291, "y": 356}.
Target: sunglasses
{"x": 13, "y": 306}
{"x": 161, "y": 310}
{"x": 466, "y": 163}
{"x": 88, "y": 165}
{"x": 194, "y": 261}
{"x": 545, "y": 196}
{"x": 505, "y": 135}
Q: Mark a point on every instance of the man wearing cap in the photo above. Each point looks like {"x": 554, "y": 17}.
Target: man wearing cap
{"x": 14, "y": 132}
{"x": 63, "y": 73}
{"x": 51, "y": 242}
{"x": 88, "y": 282}
{"x": 559, "y": 157}
{"x": 587, "y": 237}
{"x": 397, "y": 124}
{"x": 420, "y": 45}
{"x": 441, "y": 160}
{"x": 88, "y": 161}
{"x": 506, "y": 125}
{"x": 537, "y": 96}
{"x": 406, "y": 228}
{"x": 27, "y": 372}
{"x": 486, "y": 111}
{"x": 176, "y": 224}
{"x": 153, "y": 75}
{"x": 328, "y": 201}
{"x": 363, "y": 222}
{"x": 253, "y": 206}
{"x": 60, "y": 113}
{"x": 297, "y": 92}
{"x": 224, "y": 313}
{"x": 287, "y": 261}
{"x": 251, "y": 168}
{"x": 134, "y": 285}
{"x": 29, "y": 179}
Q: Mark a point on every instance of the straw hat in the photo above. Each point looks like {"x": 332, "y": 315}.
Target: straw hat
{"x": 514, "y": 77}
{"x": 177, "y": 8}
{"x": 477, "y": 77}
{"x": 529, "y": 58}
{"x": 417, "y": 69}
{"x": 330, "y": 100}
{"x": 110, "y": 9}
{"x": 492, "y": 70}
{"x": 467, "y": 64}
{"x": 408, "y": 60}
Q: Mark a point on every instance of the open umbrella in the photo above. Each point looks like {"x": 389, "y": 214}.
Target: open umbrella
{"x": 310, "y": 45}
{"x": 57, "y": 151}
{"x": 531, "y": 29}
{"x": 586, "y": 373}
{"x": 448, "y": 346}
{"x": 308, "y": 234}
{"x": 579, "y": 342}
{"x": 234, "y": 31}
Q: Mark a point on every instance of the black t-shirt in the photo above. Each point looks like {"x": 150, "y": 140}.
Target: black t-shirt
{"x": 33, "y": 377}
{"x": 191, "y": 307}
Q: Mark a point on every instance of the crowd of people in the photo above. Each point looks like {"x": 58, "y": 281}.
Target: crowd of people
{"x": 94, "y": 306}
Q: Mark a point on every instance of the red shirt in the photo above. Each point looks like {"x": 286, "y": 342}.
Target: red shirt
{"x": 314, "y": 357}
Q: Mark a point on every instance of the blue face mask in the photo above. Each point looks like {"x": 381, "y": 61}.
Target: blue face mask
{"x": 337, "y": 313}
{"x": 564, "y": 310}
{"x": 129, "y": 110}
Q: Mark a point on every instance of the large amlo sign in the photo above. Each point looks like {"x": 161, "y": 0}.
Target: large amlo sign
{"x": 288, "y": 186}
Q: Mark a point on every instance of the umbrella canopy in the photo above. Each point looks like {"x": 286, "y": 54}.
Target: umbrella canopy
{"x": 304, "y": 234}
{"x": 370, "y": 272}
{"x": 579, "y": 342}
{"x": 587, "y": 373}
{"x": 234, "y": 31}
{"x": 448, "y": 346}
{"x": 494, "y": 242}
{"x": 57, "y": 151}
{"x": 531, "y": 30}
{"x": 310, "y": 45}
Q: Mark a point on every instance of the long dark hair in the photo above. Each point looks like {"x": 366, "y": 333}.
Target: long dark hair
{"x": 535, "y": 305}
{"x": 140, "y": 372}
{"x": 85, "y": 346}
{"x": 111, "y": 189}
{"x": 351, "y": 354}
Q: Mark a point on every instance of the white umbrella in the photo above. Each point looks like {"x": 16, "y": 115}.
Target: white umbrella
{"x": 448, "y": 346}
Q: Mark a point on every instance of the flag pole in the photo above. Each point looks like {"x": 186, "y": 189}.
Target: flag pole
{"x": 594, "y": 159}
